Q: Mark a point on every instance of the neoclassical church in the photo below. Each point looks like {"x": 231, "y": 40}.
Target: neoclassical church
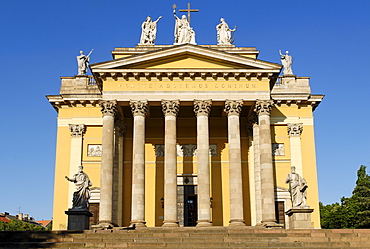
{"x": 185, "y": 135}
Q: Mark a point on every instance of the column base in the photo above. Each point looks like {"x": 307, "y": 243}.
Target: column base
{"x": 137, "y": 223}
{"x": 271, "y": 224}
{"x": 204, "y": 223}
{"x": 236, "y": 223}
{"x": 103, "y": 224}
{"x": 170, "y": 223}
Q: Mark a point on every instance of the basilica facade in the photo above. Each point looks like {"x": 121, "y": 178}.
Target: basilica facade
{"x": 185, "y": 135}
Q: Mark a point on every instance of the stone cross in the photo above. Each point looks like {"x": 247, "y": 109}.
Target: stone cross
{"x": 189, "y": 10}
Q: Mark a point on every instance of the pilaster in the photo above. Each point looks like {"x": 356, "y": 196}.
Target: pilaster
{"x": 294, "y": 132}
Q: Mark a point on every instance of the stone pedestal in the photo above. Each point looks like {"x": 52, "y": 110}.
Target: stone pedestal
{"x": 299, "y": 217}
{"x": 78, "y": 219}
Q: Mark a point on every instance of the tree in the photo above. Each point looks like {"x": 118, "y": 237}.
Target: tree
{"x": 16, "y": 225}
{"x": 352, "y": 212}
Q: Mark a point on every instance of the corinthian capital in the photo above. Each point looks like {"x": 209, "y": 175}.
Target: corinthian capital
{"x": 170, "y": 107}
{"x": 77, "y": 130}
{"x": 139, "y": 107}
{"x": 295, "y": 130}
{"x": 233, "y": 107}
{"x": 108, "y": 107}
{"x": 263, "y": 107}
{"x": 202, "y": 107}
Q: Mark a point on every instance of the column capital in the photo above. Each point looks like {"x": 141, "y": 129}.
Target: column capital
{"x": 295, "y": 130}
{"x": 108, "y": 107}
{"x": 139, "y": 107}
{"x": 202, "y": 107}
{"x": 77, "y": 130}
{"x": 233, "y": 107}
{"x": 170, "y": 107}
{"x": 263, "y": 107}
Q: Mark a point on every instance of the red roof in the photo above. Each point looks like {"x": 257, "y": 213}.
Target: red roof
{"x": 44, "y": 223}
{"x": 4, "y": 219}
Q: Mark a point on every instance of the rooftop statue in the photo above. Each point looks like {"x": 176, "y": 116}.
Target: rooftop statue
{"x": 83, "y": 62}
{"x": 183, "y": 32}
{"x": 287, "y": 62}
{"x": 148, "y": 31}
{"x": 224, "y": 33}
{"x": 82, "y": 194}
{"x": 297, "y": 188}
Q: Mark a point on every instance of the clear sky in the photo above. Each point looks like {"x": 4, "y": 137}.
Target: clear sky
{"x": 328, "y": 39}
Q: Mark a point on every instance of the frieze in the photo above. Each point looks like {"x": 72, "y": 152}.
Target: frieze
{"x": 278, "y": 149}
{"x": 185, "y": 150}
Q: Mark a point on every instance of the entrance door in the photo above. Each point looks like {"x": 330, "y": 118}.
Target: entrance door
{"x": 190, "y": 206}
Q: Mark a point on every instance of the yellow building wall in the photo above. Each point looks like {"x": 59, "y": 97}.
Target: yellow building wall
{"x": 73, "y": 115}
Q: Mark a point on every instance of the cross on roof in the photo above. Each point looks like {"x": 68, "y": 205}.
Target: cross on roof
{"x": 189, "y": 10}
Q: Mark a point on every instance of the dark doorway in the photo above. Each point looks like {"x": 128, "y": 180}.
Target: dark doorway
{"x": 190, "y": 206}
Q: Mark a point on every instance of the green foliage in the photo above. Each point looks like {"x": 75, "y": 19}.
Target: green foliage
{"x": 352, "y": 212}
{"x": 16, "y": 225}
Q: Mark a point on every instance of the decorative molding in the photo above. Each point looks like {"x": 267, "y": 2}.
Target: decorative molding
{"x": 263, "y": 107}
{"x": 77, "y": 129}
{"x": 108, "y": 107}
{"x": 170, "y": 107}
{"x": 139, "y": 107}
{"x": 278, "y": 149}
{"x": 202, "y": 107}
{"x": 295, "y": 130}
{"x": 233, "y": 107}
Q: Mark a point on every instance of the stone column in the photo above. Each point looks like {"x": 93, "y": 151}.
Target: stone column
{"x": 77, "y": 131}
{"x": 263, "y": 109}
{"x": 202, "y": 109}
{"x": 294, "y": 132}
{"x": 139, "y": 110}
{"x": 170, "y": 110}
{"x": 257, "y": 166}
{"x": 233, "y": 109}
{"x": 109, "y": 109}
{"x": 117, "y": 169}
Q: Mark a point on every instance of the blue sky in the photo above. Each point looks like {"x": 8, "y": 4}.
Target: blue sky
{"x": 40, "y": 39}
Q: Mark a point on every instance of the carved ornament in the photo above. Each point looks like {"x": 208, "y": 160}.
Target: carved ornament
{"x": 202, "y": 107}
{"x": 233, "y": 107}
{"x": 295, "y": 130}
{"x": 263, "y": 107}
{"x": 108, "y": 107}
{"x": 139, "y": 107}
{"x": 170, "y": 107}
{"x": 77, "y": 130}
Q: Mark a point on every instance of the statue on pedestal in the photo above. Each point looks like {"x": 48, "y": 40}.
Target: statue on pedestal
{"x": 287, "y": 62}
{"x": 82, "y": 194}
{"x": 148, "y": 31}
{"x": 183, "y": 32}
{"x": 224, "y": 33}
{"x": 83, "y": 62}
{"x": 297, "y": 188}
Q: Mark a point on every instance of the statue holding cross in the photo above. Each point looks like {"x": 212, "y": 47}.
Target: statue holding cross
{"x": 183, "y": 32}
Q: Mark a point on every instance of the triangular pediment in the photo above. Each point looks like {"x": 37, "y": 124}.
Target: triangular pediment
{"x": 183, "y": 57}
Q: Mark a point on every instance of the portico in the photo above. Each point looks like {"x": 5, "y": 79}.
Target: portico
{"x": 186, "y": 110}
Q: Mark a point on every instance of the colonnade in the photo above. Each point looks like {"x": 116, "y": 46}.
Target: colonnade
{"x": 202, "y": 109}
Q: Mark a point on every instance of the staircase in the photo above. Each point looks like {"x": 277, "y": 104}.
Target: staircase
{"x": 190, "y": 237}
